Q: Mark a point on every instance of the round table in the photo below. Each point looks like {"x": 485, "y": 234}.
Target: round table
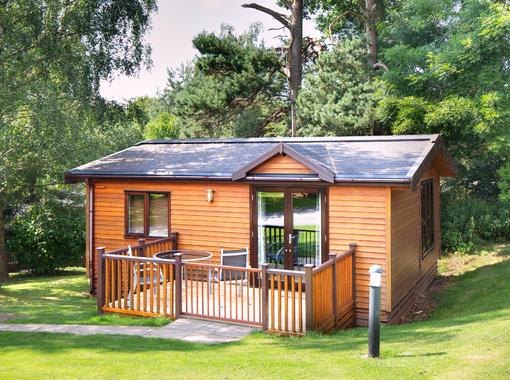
{"x": 188, "y": 255}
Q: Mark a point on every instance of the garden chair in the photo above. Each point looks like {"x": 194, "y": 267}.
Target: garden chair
{"x": 275, "y": 251}
{"x": 231, "y": 258}
{"x": 145, "y": 279}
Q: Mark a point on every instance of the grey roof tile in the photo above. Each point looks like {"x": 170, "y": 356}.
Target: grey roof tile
{"x": 373, "y": 157}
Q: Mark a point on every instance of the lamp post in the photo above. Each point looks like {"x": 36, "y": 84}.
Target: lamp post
{"x": 374, "y": 311}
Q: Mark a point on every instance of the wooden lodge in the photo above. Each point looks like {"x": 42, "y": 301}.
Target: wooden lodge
{"x": 313, "y": 213}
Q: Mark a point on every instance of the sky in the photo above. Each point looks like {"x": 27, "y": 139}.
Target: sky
{"x": 173, "y": 29}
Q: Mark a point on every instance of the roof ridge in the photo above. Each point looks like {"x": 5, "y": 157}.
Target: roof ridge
{"x": 275, "y": 140}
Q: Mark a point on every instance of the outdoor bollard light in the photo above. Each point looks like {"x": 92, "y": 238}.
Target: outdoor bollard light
{"x": 374, "y": 311}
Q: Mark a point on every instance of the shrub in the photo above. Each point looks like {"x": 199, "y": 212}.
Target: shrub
{"x": 469, "y": 221}
{"x": 48, "y": 235}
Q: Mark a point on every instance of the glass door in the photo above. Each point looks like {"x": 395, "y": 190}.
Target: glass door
{"x": 289, "y": 227}
{"x": 306, "y": 236}
{"x": 271, "y": 228}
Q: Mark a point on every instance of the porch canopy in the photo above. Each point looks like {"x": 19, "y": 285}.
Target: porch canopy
{"x": 389, "y": 160}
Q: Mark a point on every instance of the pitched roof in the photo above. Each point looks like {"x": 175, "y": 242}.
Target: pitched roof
{"x": 386, "y": 159}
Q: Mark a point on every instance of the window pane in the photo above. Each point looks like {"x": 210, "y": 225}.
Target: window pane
{"x": 270, "y": 211}
{"x": 427, "y": 216}
{"x": 135, "y": 213}
{"x": 158, "y": 214}
{"x": 306, "y": 232}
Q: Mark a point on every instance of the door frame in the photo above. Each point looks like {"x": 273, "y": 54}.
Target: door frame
{"x": 288, "y": 215}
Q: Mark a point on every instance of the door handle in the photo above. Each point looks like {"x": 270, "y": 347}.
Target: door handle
{"x": 290, "y": 238}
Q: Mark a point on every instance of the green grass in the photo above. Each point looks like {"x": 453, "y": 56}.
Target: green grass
{"x": 467, "y": 338}
{"x": 59, "y": 299}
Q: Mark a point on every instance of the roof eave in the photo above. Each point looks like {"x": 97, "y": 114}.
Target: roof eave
{"x": 426, "y": 158}
{"x": 70, "y": 178}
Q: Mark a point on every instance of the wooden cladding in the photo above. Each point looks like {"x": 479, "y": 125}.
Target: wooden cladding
{"x": 405, "y": 237}
{"x": 222, "y": 223}
{"x": 409, "y": 266}
{"x": 282, "y": 164}
{"x": 359, "y": 214}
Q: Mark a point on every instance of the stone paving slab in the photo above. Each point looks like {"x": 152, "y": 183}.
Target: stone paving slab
{"x": 188, "y": 330}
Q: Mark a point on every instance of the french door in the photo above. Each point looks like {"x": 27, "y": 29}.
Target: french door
{"x": 289, "y": 226}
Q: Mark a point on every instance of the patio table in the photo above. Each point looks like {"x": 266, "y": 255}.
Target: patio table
{"x": 188, "y": 255}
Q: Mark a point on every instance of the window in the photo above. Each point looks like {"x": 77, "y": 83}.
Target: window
{"x": 427, "y": 217}
{"x": 147, "y": 214}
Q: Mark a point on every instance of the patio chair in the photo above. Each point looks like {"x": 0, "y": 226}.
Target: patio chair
{"x": 145, "y": 279}
{"x": 275, "y": 251}
{"x": 231, "y": 258}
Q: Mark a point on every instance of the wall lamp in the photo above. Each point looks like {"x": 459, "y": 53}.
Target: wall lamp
{"x": 209, "y": 194}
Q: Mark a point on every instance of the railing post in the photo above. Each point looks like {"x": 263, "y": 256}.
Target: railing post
{"x": 309, "y": 296}
{"x": 264, "y": 306}
{"x": 100, "y": 279}
{"x": 178, "y": 285}
{"x": 173, "y": 235}
{"x": 352, "y": 248}
{"x": 141, "y": 243}
{"x": 332, "y": 258}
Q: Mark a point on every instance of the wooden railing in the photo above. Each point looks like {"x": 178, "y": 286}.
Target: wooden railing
{"x": 149, "y": 249}
{"x": 333, "y": 292}
{"x": 280, "y": 301}
{"x": 283, "y": 301}
{"x": 137, "y": 285}
{"x": 222, "y": 292}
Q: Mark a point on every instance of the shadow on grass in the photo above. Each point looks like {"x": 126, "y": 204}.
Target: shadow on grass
{"x": 475, "y": 297}
{"x": 420, "y": 355}
{"x": 478, "y": 296}
{"x": 59, "y": 299}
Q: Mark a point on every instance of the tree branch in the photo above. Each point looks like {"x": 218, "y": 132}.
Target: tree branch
{"x": 276, "y": 15}
{"x": 380, "y": 65}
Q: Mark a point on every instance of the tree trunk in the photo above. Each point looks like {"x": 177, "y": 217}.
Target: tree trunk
{"x": 371, "y": 31}
{"x": 295, "y": 59}
{"x": 4, "y": 273}
{"x": 294, "y": 23}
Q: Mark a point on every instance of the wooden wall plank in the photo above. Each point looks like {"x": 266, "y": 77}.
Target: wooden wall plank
{"x": 282, "y": 164}
{"x": 359, "y": 215}
{"x": 407, "y": 263}
{"x": 223, "y": 223}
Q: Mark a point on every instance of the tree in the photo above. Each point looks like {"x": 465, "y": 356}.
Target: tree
{"x": 234, "y": 87}
{"x": 348, "y": 18}
{"x": 449, "y": 75}
{"x": 336, "y": 98}
{"x": 53, "y": 55}
{"x": 294, "y": 64}
{"x": 162, "y": 127}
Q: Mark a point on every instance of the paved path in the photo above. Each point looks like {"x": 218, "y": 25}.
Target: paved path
{"x": 188, "y": 330}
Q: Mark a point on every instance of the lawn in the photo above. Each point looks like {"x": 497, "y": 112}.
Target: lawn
{"x": 59, "y": 299}
{"x": 468, "y": 337}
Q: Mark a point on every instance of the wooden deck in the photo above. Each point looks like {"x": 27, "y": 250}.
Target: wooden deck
{"x": 281, "y": 301}
{"x": 238, "y": 303}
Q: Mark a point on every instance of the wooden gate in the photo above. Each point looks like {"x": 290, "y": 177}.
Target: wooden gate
{"x": 220, "y": 292}
{"x": 334, "y": 292}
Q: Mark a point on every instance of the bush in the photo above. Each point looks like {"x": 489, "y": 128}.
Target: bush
{"x": 48, "y": 235}
{"x": 469, "y": 221}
